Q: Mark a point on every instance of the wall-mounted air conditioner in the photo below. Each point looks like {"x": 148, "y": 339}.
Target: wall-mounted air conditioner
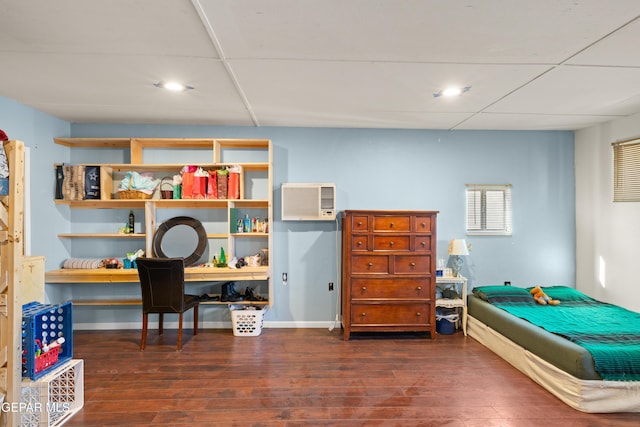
{"x": 308, "y": 202}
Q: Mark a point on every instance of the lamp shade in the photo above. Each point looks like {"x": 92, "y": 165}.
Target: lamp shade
{"x": 458, "y": 247}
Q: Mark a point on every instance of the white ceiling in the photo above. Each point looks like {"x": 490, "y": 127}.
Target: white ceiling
{"x": 531, "y": 64}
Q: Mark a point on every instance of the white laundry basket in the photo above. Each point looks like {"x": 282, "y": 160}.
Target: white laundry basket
{"x": 247, "y": 320}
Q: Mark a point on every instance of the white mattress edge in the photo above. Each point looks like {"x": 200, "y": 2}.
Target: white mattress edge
{"x": 593, "y": 396}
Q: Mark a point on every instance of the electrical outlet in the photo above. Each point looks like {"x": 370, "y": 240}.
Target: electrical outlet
{"x": 330, "y": 286}
{"x": 507, "y": 283}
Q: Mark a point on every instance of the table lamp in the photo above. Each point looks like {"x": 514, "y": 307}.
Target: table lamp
{"x": 458, "y": 248}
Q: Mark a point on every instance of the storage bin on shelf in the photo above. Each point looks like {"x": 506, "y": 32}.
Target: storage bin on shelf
{"x": 137, "y": 186}
{"x": 247, "y": 320}
{"x": 446, "y": 319}
{"x": 133, "y": 195}
{"x": 43, "y": 325}
{"x": 54, "y": 398}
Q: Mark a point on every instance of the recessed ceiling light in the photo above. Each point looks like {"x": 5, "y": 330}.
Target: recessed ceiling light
{"x": 451, "y": 92}
{"x": 173, "y": 86}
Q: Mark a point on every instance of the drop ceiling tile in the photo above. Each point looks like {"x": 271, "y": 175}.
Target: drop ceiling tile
{"x": 618, "y": 49}
{"x": 516, "y": 31}
{"x": 360, "y": 119}
{"x": 100, "y": 82}
{"x": 126, "y": 27}
{"x": 161, "y": 113}
{"x": 490, "y": 121}
{"x": 372, "y": 88}
{"x": 577, "y": 90}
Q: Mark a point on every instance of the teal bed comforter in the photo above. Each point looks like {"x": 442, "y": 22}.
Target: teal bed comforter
{"x": 611, "y": 334}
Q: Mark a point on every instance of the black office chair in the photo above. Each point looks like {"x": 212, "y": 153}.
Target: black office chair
{"x": 162, "y": 285}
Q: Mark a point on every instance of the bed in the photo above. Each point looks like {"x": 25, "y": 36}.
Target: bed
{"x": 566, "y": 354}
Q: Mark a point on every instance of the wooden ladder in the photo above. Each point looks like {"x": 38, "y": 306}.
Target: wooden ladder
{"x": 11, "y": 255}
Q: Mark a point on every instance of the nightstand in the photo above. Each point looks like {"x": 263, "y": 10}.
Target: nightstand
{"x": 460, "y": 285}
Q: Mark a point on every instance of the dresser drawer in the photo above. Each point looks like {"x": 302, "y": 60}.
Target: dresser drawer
{"x": 422, "y": 243}
{"x": 412, "y": 264}
{"x": 359, "y": 223}
{"x": 391, "y": 289}
{"x": 359, "y": 242}
{"x": 422, "y": 224}
{"x": 390, "y": 243}
{"x": 391, "y": 223}
{"x": 390, "y": 314}
{"x": 367, "y": 264}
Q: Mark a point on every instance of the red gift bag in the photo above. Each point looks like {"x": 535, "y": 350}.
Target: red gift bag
{"x": 233, "y": 183}
{"x": 199, "y": 187}
{"x": 223, "y": 178}
{"x": 212, "y": 185}
{"x": 187, "y": 185}
{"x": 199, "y": 184}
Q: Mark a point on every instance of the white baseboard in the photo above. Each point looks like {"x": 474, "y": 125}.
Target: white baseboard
{"x": 204, "y": 325}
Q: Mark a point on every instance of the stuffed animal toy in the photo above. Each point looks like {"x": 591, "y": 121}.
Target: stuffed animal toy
{"x": 541, "y": 297}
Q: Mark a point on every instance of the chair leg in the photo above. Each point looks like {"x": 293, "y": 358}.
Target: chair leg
{"x": 195, "y": 320}
{"x": 180, "y": 331}
{"x": 145, "y": 324}
{"x": 160, "y": 323}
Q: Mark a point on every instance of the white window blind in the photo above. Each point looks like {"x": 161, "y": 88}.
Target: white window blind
{"x": 626, "y": 171}
{"x": 489, "y": 209}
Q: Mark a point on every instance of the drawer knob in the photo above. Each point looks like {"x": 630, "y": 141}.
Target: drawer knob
{"x": 370, "y": 265}
{"x": 359, "y": 243}
{"x": 391, "y": 243}
{"x": 423, "y": 244}
{"x": 359, "y": 223}
{"x": 424, "y": 224}
{"x": 418, "y": 314}
{"x": 419, "y": 288}
{"x": 363, "y": 314}
{"x": 364, "y": 289}
{"x": 391, "y": 225}
{"x": 413, "y": 264}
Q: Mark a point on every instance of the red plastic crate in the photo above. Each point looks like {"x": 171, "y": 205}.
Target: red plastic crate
{"x": 47, "y": 359}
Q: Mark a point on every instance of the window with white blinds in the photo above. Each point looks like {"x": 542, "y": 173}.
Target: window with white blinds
{"x": 626, "y": 171}
{"x": 489, "y": 209}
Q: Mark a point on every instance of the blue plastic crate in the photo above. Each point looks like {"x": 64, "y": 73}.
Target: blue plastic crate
{"x": 43, "y": 324}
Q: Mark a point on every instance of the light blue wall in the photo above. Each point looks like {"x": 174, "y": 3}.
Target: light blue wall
{"x": 384, "y": 169}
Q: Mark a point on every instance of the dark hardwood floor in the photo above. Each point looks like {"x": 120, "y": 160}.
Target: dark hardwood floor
{"x": 295, "y": 377}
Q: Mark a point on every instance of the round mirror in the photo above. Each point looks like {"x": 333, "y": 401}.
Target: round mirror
{"x": 180, "y": 237}
{"x": 179, "y": 241}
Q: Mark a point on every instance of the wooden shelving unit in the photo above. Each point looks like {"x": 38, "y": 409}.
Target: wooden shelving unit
{"x": 120, "y": 275}
{"x": 112, "y": 173}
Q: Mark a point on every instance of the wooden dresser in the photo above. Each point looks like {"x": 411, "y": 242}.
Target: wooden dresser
{"x": 388, "y": 271}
